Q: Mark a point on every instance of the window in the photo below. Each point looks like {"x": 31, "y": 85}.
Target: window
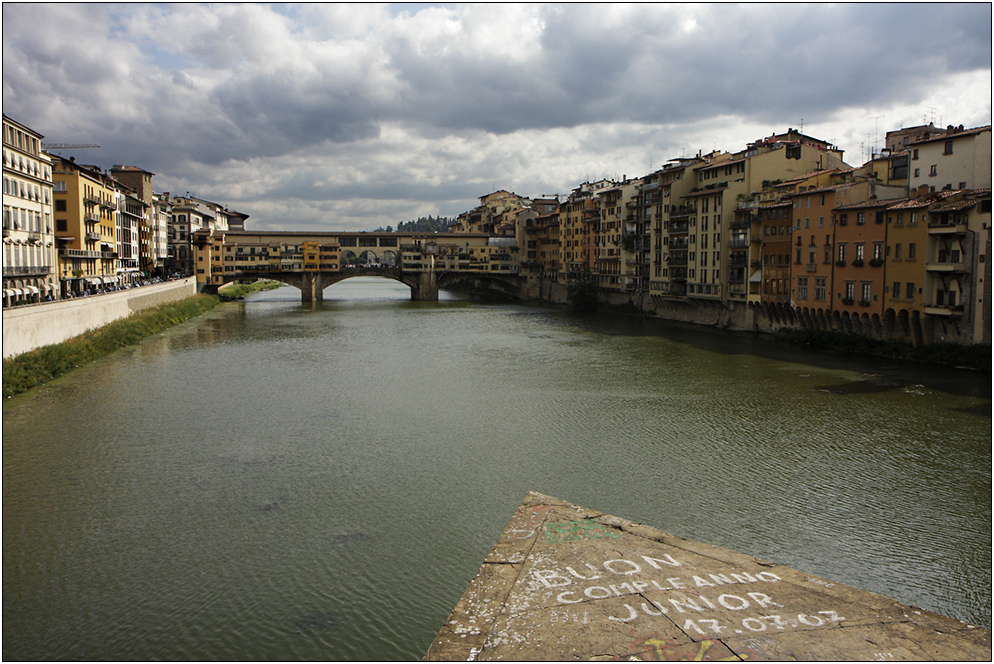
{"x": 859, "y": 251}
{"x": 61, "y": 226}
{"x": 843, "y": 219}
{"x": 914, "y": 154}
{"x": 897, "y": 251}
{"x": 821, "y": 221}
{"x": 820, "y": 289}
{"x": 896, "y": 290}
{"x": 911, "y": 251}
{"x": 802, "y": 288}
{"x": 918, "y": 172}
{"x": 910, "y": 291}
{"x": 932, "y": 170}
{"x": 878, "y": 251}
{"x": 866, "y": 291}
{"x": 949, "y": 148}
{"x": 850, "y": 291}
{"x": 860, "y": 218}
{"x": 842, "y": 252}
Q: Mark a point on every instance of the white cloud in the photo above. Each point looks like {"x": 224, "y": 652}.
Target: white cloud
{"x": 339, "y": 114}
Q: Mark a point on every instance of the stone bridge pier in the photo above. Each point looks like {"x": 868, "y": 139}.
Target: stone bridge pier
{"x": 424, "y": 286}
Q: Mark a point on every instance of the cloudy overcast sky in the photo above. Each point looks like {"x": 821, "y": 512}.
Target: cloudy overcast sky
{"x": 353, "y": 116}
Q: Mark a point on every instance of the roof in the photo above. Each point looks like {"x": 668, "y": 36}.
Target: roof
{"x": 802, "y": 178}
{"x": 819, "y": 190}
{"x": 952, "y": 135}
{"x": 964, "y": 204}
{"x": 874, "y": 203}
{"x": 921, "y": 201}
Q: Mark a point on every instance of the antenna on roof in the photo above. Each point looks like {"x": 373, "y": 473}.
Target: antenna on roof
{"x": 68, "y": 146}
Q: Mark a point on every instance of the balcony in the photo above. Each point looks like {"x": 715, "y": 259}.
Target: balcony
{"x": 812, "y": 267}
{"x": 26, "y": 270}
{"x": 738, "y": 243}
{"x": 683, "y": 212}
{"x": 92, "y": 218}
{"x": 940, "y": 228}
{"x": 744, "y": 221}
{"x": 945, "y": 267}
{"x": 942, "y": 310}
{"x": 92, "y": 237}
{"x": 678, "y": 229}
{"x": 78, "y": 253}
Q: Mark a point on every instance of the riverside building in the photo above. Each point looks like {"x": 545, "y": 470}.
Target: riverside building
{"x": 29, "y": 251}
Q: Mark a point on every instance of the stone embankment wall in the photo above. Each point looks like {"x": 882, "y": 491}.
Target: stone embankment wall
{"x": 29, "y": 327}
{"x": 913, "y": 329}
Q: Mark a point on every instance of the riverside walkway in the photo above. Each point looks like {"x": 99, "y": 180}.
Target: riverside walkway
{"x": 567, "y": 583}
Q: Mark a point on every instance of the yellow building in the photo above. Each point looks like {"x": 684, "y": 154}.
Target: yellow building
{"x": 725, "y": 252}
{"x": 906, "y": 257}
{"x": 85, "y": 207}
{"x": 672, "y": 218}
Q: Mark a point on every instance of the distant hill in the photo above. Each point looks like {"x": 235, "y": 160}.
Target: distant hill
{"x": 421, "y": 225}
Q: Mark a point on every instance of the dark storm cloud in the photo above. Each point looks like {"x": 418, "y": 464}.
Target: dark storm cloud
{"x": 425, "y": 103}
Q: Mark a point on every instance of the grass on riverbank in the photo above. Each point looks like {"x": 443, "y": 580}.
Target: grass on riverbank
{"x": 22, "y": 372}
{"x": 240, "y": 289}
{"x": 944, "y": 354}
{"x": 36, "y": 367}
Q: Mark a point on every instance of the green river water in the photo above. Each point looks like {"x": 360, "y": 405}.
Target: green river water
{"x": 285, "y": 482}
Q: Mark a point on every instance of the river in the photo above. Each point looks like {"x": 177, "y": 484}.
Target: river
{"x": 310, "y": 482}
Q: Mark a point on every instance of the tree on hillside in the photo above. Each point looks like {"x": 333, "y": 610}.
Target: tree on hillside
{"x": 427, "y": 224}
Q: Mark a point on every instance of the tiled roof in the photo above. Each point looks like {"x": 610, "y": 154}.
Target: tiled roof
{"x": 819, "y": 190}
{"x": 946, "y": 137}
{"x": 956, "y": 205}
{"x": 875, "y": 203}
{"x": 802, "y": 178}
{"x": 922, "y": 201}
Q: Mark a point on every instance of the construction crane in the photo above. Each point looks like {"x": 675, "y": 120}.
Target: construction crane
{"x": 68, "y": 146}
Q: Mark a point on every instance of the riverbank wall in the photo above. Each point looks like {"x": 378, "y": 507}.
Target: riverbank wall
{"x": 916, "y": 330}
{"x": 29, "y": 327}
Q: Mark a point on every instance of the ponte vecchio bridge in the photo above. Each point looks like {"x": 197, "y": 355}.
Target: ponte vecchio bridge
{"x": 317, "y": 260}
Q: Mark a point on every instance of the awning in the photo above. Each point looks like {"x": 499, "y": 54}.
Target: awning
{"x": 16, "y": 291}
{"x": 30, "y": 290}
{"x": 757, "y": 277}
{"x": 8, "y": 292}
{"x": 94, "y": 280}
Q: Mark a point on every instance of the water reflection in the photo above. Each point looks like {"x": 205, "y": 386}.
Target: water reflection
{"x": 274, "y": 481}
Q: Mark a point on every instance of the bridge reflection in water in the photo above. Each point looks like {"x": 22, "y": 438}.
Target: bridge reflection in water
{"x": 314, "y": 261}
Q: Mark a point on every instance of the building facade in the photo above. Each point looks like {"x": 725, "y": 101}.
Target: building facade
{"x": 30, "y": 271}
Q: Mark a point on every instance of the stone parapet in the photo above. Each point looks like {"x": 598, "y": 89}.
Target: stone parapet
{"x": 567, "y": 583}
{"x": 33, "y": 326}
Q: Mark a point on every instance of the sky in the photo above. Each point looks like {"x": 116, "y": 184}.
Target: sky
{"x": 356, "y": 116}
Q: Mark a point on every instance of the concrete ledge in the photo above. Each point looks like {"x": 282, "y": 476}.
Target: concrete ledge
{"x": 28, "y": 327}
{"x": 566, "y": 583}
